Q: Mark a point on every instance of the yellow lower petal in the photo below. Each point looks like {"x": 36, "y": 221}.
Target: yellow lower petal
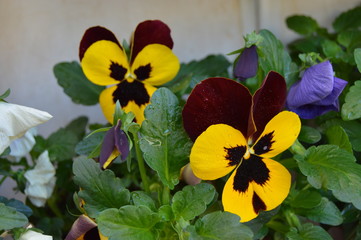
{"x": 111, "y": 158}
{"x": 209, "y": 153}
{"x": 163, "y": 63}
{"x": 277, "y": 187}
{"x": 237, "y": 202}
{"x": 107, "y": 103}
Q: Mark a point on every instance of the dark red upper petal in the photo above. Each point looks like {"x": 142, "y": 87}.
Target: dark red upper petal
{"x": 214, "y": 101}
{"x": 268, "y": 101}
{"x": 149, "y": 32}
{"x": 93, "y": 35}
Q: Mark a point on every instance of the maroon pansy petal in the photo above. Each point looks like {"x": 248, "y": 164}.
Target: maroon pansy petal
{"x": 150, "y": 32}
{"x": 268, "y": 101}
{"x": 214, "y": 101}
{"x": 247, "y": 64}
{"x": 93, "y": 35}
{"x": 107, "y": 146}
{"x": 121, "y": 141}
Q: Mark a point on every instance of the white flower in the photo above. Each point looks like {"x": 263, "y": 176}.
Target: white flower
{"x": 32, "y": 235}
{"x": 15, "y": 120}
{"x": 40, "y": 180}
{"x": 22, "y": 146}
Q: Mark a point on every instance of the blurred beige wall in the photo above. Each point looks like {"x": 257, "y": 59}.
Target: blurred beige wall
{"x": 37, "y": 34}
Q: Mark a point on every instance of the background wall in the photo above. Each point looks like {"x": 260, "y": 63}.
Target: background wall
{"x": 37, "y": 34}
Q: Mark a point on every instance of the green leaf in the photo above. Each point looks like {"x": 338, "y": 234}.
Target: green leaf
{"x": 352, "y": 128}
{"x": 5, "y": 94}
{"x": 192, "y": 200}
{"x": 164, "y": 143}
{"x": 89, "y": 144}
{"x": 129, "y": 222}
{"x": 303, "y": 25}
{"x": 306, "y": 199}
{"x": 10, "y": 218}
{"x": 18, "y": 205}
{"x": 351, "y": 109}
{"x": 308, "y": 231}
{"x": 210, "y": 66}
{"x": 51, "y": 226}
{"x": 61, "y": 145}
{"x": 140, "y": 198}
{"x": 165, "y": 213}
{"x": 219, "y": 225}
{"x": 309, "y": 135}
{"x": 332, "y": 50}
{"x": 78, "y": 126}
{"x": 350, "y": 39}
{"x": 326, "y": 212}
{"x": 333, "y": 168}
{"x": 336, "y": 135}
{"x": 100, "y": 190}
{"x": 71, "y": 77}
{"x": 348, "y": 20}
{"x": 357, "y": 54}
{"x": 274, "y": 57}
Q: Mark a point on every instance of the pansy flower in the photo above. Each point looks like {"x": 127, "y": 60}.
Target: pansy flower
{"x": 317, "y": 92}
{"x": 84, "y": 228}
{"x": 131, "y": 81}
{"x": 236, "y": 133}
{"x": 247, "y": 63}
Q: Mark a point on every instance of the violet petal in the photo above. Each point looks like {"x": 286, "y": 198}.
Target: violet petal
{"x": 316, "y": 84}
{"x": 247, "y": 63}
{"x": 82, "y": 225}
{"x": 338, "y": 87}
{"x": 107, "y": 146}
{"x": 121, "y": 143}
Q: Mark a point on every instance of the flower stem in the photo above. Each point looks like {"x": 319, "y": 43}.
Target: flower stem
{"x": 165, "y": 195}
{"x": 298, "y": 148}
{"x": 141, "y": 165}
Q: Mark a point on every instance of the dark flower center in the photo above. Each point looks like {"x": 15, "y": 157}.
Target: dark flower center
{"x": 117, "y": 71}
{"x": 131, "y": 91}
{"x": 143, "y": 72}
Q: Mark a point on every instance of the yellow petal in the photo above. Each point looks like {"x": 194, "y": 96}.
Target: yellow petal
{"x": 105, "y": 63}
{"x": 277, "y": 187}
{"x": 278, "y": 135}
{"x": 238, "y": 202}
{"x": 111, "y": 158}
{"x": 217, "y": 151}
{"x": 159, "y": 62}
{"x": 107, "y": 103}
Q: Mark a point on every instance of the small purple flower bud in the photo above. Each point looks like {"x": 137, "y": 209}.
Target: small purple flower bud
{"x": 316, "y": 93}
{"x": 247, "y": 64}
{"x": 115, "y": 140}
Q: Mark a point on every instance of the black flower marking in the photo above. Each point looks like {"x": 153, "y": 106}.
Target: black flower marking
{"x": 92, "y": 234}
{"x": 258, "y": 203}
{"x": 235, "y": 154}
{"x": 143, "y": 72}
{"x": 131, "y": 91}
{"x": 264, "y": 145}
{"x": 252, "y": 169}
{"x": 117, "y": 71}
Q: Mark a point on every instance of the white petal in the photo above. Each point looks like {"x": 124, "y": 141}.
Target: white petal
{"x": 15, "y": 119}
{"x": 4, "y": 141}
{"x": 22, "y": 146}
{"x": 32, "y": 235}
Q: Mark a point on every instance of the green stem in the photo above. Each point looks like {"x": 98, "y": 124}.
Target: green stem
{"x": 141, "y": 165}
{"x": 165, "y": 195}
{"x": 52, "y": 205}
{"x": 298, "y": 148}
{"x": 292, "y": 219}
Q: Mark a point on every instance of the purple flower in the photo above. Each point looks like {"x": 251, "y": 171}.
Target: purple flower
{"x": 247, "y": 64}
{"x": 115, "y": 143}
{"x": 316, "y": 93}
